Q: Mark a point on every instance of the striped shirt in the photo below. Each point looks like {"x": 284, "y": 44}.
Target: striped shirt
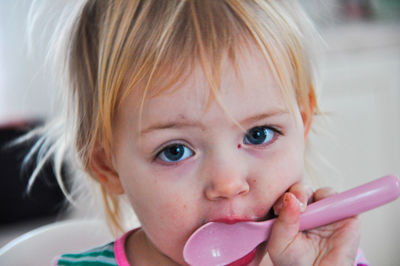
{"x": 113, "y": 254}
{"x": 103, "y": 255}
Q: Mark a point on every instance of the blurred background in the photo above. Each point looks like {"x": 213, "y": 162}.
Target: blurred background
{"x": 359, "y": 90}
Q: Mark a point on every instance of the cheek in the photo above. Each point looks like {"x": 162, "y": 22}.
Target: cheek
{"x": 170, "y": 224}
{"x": 155, "y": 203}
{"x": 275, "y": 172}
{"x": 290, "y": 159}
{"x": 289, "y": 169}
{"x": 168, "y": 214}
{"x": 165, "y": 205}
{"x": 174, "y": 209}
{"x": 283, "y": 165}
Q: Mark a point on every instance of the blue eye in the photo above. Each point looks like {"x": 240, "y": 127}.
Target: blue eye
{"x": 259, "y": 135}
{"x": 175, "y": 153}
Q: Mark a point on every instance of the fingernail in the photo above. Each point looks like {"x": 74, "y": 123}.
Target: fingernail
{"x": 302, "y": 206}
{"x": 278, "y": 207}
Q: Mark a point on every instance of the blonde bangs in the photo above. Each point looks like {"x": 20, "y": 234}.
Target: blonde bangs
{"x": 152, "y": 46}
{"x": 153, "y": 60}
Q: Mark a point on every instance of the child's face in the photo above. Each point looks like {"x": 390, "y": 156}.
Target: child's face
{"x": 191, "y": 165}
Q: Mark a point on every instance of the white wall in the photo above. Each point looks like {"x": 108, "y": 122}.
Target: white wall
{"x": 24, "y": 90}
{"x": 361, "y": 94}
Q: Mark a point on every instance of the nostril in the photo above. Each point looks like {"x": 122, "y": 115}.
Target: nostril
{"x": 227, "y": 190}
{"x": 245, "y": 190}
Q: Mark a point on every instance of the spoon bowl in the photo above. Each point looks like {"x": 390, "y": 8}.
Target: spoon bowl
{"x": 222, "y": 243}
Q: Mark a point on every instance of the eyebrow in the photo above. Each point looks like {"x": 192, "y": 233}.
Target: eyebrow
{"x": 198, "y": 124}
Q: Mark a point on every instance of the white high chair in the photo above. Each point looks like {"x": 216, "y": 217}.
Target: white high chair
{"x": 40, "y": 246}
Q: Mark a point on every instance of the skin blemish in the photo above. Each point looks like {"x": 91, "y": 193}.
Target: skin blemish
{"x": 239, "y": 146}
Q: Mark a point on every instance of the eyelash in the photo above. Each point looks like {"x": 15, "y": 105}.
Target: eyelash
{"x": 164, "y": 147}
{"x": 276, "y": 131}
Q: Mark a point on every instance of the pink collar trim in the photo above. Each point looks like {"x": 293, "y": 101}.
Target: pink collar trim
{"x": 119, "y": 249}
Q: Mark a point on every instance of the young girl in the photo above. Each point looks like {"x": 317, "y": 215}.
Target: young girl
{"x": 194, "y": 111}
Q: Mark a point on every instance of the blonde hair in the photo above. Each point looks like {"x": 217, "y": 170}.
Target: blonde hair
{"x": 145, "y": 47}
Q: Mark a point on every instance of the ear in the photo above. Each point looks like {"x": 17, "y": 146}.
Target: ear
{"x": 102, "y": 167}
{"x": 307, "y": 112}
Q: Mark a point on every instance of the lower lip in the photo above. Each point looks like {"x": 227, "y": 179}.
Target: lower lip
{"x": 245, "y": 260}
{"x": 231, "y": 220}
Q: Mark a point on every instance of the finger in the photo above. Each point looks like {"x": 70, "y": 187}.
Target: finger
{"x": 285, "y": 227}
{"x": 323, "y": 193}
{"x": 302, "y": 192}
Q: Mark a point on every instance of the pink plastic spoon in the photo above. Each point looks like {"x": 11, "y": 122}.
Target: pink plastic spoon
{"x": 220, "y": 244}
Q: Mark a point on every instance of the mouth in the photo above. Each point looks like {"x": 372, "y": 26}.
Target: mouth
{"x": 232, "y": 219}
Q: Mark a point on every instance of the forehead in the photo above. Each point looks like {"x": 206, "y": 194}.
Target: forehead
{"x": 247, "y": 87}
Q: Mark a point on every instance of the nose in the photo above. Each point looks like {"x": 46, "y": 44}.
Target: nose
{"x": 226, "y": 189}
{"x": 226, "y": 180}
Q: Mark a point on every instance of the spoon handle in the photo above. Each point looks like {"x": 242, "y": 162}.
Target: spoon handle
{"x": 351, "y": 202}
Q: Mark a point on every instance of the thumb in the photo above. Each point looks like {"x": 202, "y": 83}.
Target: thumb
{"x": 285, "y": 228}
